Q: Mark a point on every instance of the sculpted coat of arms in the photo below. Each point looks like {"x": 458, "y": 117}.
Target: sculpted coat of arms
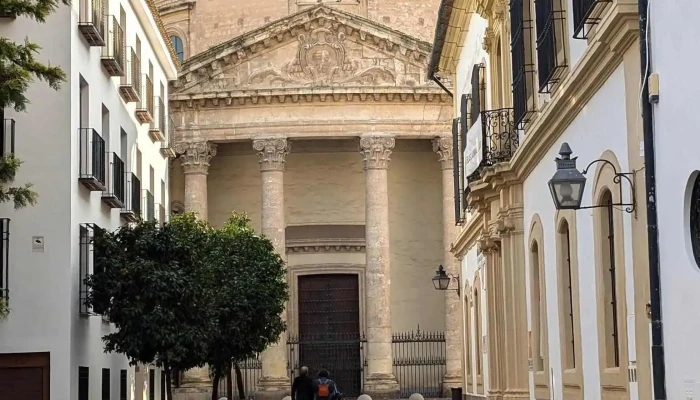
{"x": 321, "y": 60}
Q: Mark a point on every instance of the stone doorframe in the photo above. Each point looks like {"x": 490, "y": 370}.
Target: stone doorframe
{"x": 295, "y": 271}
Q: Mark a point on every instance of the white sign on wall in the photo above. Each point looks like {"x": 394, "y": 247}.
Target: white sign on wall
{"x": 473, "y": 152}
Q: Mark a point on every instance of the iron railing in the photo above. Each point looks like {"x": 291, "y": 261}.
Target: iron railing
{"x": 162, "y": 217}
{"x": 251, "y": 372}
{"x": 145, "y": 109}
{"x": 92, "y": 159}
{"x": 586, "y": 14}
{"x": 166, "y": 149}
{"x": 158, "y": 127}
{"x": 116, "y": 191}
{"x": 7, "y": 137}
{"x": 86, "y": 259}
{"x": 522, "y": 66}
{"x": 500, "y": 138}
{"x": 5, "y": 259}
{"x": 91, "y": 21}
{"x": 149, "y": 204}
{"x": 551, "y": 54}
{"x": 419, "y": 362}
{"x": 113, "y": 52}
{"x": 130, "y": 85}
{"x": 132, "y": 206}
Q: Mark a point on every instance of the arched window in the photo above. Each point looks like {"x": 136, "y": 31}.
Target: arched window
{"x": 477, "y": 326}
{"x": 566, "y": 296}
{"x": 179, "y": 47}
{"x": 610, "y": 298}
{"x": 539, "y": 343}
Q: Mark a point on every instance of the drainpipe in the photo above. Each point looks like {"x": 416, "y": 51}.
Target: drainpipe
{"x": 657, "y": 339}
{"x": 435, "y": 79}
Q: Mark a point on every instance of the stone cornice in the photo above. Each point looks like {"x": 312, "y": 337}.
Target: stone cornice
{"x": 272, "y": 152}
{"x": 376, "y": 151}
{"x": 443, "y": 147}
{"x": 169, "y": 7}
{"x": 195, "y": 156}
{"x": 346, "y": 245}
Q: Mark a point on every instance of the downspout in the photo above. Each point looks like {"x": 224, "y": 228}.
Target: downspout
{"x": 657, "y": 339}
{"x": 435, "y": 79}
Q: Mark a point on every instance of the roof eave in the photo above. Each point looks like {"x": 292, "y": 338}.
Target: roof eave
{"x": 443, "y": 24}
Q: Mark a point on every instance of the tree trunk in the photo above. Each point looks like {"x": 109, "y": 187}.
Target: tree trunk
{"x": 239, "y": 382}
{"x": 229, "y": 384}
{"x": 168, "y": 381}
{"x": 215, "y": 385}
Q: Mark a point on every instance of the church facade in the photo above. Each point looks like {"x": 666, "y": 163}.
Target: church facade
{"x": 318, "y": 121}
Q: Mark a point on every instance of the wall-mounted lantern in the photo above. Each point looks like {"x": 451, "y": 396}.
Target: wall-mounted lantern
{"x": 442, "y": 280}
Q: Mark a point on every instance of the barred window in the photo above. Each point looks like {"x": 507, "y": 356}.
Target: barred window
{"x": 551, "y": 42}
{"x": 587, "y": 13}
{"x": 522, "y": 61}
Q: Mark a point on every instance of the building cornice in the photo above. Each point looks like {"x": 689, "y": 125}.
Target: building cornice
{"x": 149, "y": 18}
{"x": 175, "y": 6}
{"x": 451, "y": 30}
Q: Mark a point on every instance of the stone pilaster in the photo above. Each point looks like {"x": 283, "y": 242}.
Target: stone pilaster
{"x": 494, "y": 306}
{"x": 380, "y": 382}
{"x": 274, "y": 383}
{"x": 453, "y": 312}
{"x": 195, "y": 158}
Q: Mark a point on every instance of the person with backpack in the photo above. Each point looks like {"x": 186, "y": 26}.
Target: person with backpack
{"x": 325, "y": 388}
{"x": 303, "y": 387}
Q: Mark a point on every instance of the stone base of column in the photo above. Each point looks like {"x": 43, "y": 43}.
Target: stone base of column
{"x": 273, "y": 388}
{"x": 382, "y": 387}
{"x": 495, "y": 395}
{"x": 192, "y": 393}
{"x": 449, "y": 382}
{"x": 516, "y": 394}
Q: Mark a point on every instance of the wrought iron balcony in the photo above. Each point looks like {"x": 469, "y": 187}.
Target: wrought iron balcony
{"x": 113, "y": 52}
{"x": 166, "y": 149}
{"x": 5, "y": 258}
{"x": 115, "y": 195}
{"x": 92, "y": 160}
{"x": 86, "y": 258}
{"x": 7, "y": 137}
{"x": 162, "y": 218}
{"x": 149, "y": 203}
{"x": 130, "y": 85}
{"x": 499, "y": 141}
{"x": 145, "y": 108}
{"x": 91, "y": 21}
{"x": 158, "y": 127}
{"x": 132, "y": 206}
{"x": 587, "y": 14}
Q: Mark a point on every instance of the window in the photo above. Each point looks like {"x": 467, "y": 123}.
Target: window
{"x": 105, "y": 127}
{"x": 86, "y": 260}
{"x": 522, "y": 60}
{"x": 122, "y": 384}
{"x": 587, "y": 14}
{"x": 123, "y": 140}
{"x": 539, "y": 326}
{"x": 566, "y": 297}
{"x": 4, "y": 258}
{"x": 106, "y": 384}
{"x": 612, "y": 340}
{"x": 151, "y": 384}
{"x": 477, "y": 325}
{"x": 84, "y": 103}
{"x": 695, "y": 220}
{"x": 468, "y": 334}
{"x": 551, "y": 42}
{"x": 457, "y": 171}
{"x": 179, "y": 47}
{"x": 162, "y": 385}
{"x": 83, "y": 383}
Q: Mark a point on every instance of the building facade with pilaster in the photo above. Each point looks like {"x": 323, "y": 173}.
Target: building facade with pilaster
{"x": 96, "y": 154}
{"x": 554, "y": 299}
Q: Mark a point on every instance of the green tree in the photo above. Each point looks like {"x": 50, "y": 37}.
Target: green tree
{"x": 148, "y": 282}
{"x": 248, "y": 280}
{"x": 18, "y": 69}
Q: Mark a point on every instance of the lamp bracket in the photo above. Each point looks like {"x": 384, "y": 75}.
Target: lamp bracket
{"x": 630, "y": 177}
{"x": 455, "y": 279}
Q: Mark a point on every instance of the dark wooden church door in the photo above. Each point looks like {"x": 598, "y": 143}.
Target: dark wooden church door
{"x": 329, "y": 328}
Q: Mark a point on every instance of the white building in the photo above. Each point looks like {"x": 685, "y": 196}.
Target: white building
{"x": 554, "y": 302}
{"x": 85, "y": 148}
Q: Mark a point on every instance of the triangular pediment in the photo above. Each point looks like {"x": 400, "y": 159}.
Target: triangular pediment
{"x": 316, "y": 47}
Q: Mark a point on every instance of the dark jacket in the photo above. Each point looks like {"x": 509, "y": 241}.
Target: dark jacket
{"x": 332, "y": 392}
{"x": 303, "y": 388}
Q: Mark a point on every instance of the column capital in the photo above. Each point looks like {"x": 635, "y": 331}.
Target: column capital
{"x": 195, "y": 156}
{"x": 442, "y": 145}
{"x": 272, "y": 152}
{"x": 376, "y": 151}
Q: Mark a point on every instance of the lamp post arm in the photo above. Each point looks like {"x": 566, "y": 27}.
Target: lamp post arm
{"x": 617, "y": 179}
{"x": 455, "y": 278}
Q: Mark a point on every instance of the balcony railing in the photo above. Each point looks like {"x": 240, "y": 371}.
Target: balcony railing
{"x": 586, "y": 15}
{"x": 130, "y": 85}
{"x": 92, "y": 160}
{"x": 500, "y": 138}
{"x": 145, "y": 109}
{"x": 149, "y": 203}
{"x": 87, "y": 261}
{"x": 166, "y": 148}
{"x": 551, "y": 54}
{"x": 5, "y": 259}
{"x": 157, "y": 131}
{"x": 162, "y": 218}
{"x": 91, "y": 21}
{"x": 7, "y": 137}
{"x": 113, "y": 51}
{"x": 116, "y": 182}
{"x": 132, "y": 207}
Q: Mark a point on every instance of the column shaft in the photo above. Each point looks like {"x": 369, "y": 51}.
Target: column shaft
{"x": 494, "y": 306}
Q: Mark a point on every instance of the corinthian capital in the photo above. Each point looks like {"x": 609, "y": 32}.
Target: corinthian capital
{"x": 195, "y": 156}
{"x": 443, "y": 147}
{"x": 272, "y": 152}
{"x": 376, "y": 151}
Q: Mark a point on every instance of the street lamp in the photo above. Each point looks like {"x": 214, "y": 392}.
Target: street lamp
{"x": 567, "y": 184}
{"x": 442, "y": 280}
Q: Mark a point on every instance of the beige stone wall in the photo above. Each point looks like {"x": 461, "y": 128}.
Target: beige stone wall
{"x": 414, "y": 17}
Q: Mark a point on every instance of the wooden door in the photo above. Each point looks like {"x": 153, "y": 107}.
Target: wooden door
{"x": 24, "y": 376}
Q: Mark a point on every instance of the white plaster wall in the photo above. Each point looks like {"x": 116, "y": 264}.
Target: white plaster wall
{"x": 600, "y": 126}
{"x": 472, "y": 52}
{"x": 674, "y": 52}
{"x": 470, "y": 268}
{"x": 45, "y": 285}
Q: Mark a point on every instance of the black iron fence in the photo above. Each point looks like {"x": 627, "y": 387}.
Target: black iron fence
{"x": 419, "y": 362}
{"x": 250, "y": 372}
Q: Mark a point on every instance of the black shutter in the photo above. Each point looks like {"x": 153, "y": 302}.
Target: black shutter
{"x": 162, "y": 385}
{"x": 122, "y": 384}
{"x": 151, "y": 384}
{"x": 456, "y": 170}
{"x": 83, "y": 383}
{"x": 106, "y": 384}
{"x": 464, "y": 117}
{"x": 476, "y": 93}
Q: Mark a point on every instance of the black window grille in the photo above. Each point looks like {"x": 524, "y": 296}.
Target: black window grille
{"x": 162, "y": 385}
{"x": 522, "y": 67}
{"x": 7, "y": 137}
{"x": 587, "y": 14}
{"x": 150, "y": 205}
{"x": 457, "y": 171}
{"x": 132, "y": 207}
{"x": 92, "y": 160}
{"x": 106, "y": 389}
{"x": 500, "y": 138}
{"x": 83, "y": 383}
{"x": 86, "y": 260}
{"x": 478, "y": 93}
{"x": 151, "y": 384}
{"x": 695, "y": 220}
{"x": 551, "y": 47}
{"x": 123, "y": 380}
{"x": 570, "y": 298}
{"x": 116, "y": 182}
{"x": 5, "y": 258}
{"x": 608, "y": 203}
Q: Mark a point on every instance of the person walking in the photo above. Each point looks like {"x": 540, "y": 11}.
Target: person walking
{"x": 303, "y": 386}
{"x": 325, "y": 388}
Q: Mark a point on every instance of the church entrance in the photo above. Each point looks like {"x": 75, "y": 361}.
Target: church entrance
{"x": 329, "y": 329}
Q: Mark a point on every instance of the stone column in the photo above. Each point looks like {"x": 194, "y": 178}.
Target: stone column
{"x": 453, "y": 311}
{"x": 195, "y": 159}
{"x": 494, "y": 306}
{"x": 380, "y": 382}
{"x": 274, "y": 383}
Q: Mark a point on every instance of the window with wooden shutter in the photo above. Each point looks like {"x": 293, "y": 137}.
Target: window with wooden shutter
{"x": 476, "y": 93}
{"x": 106, "y": 394}
{"x": 123, "y": 384}
{"x": 83, "y": 383}
{"x": 151, "y": 384}
{"x": 162, "y": 385}
{"x": 457, "y": 171}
